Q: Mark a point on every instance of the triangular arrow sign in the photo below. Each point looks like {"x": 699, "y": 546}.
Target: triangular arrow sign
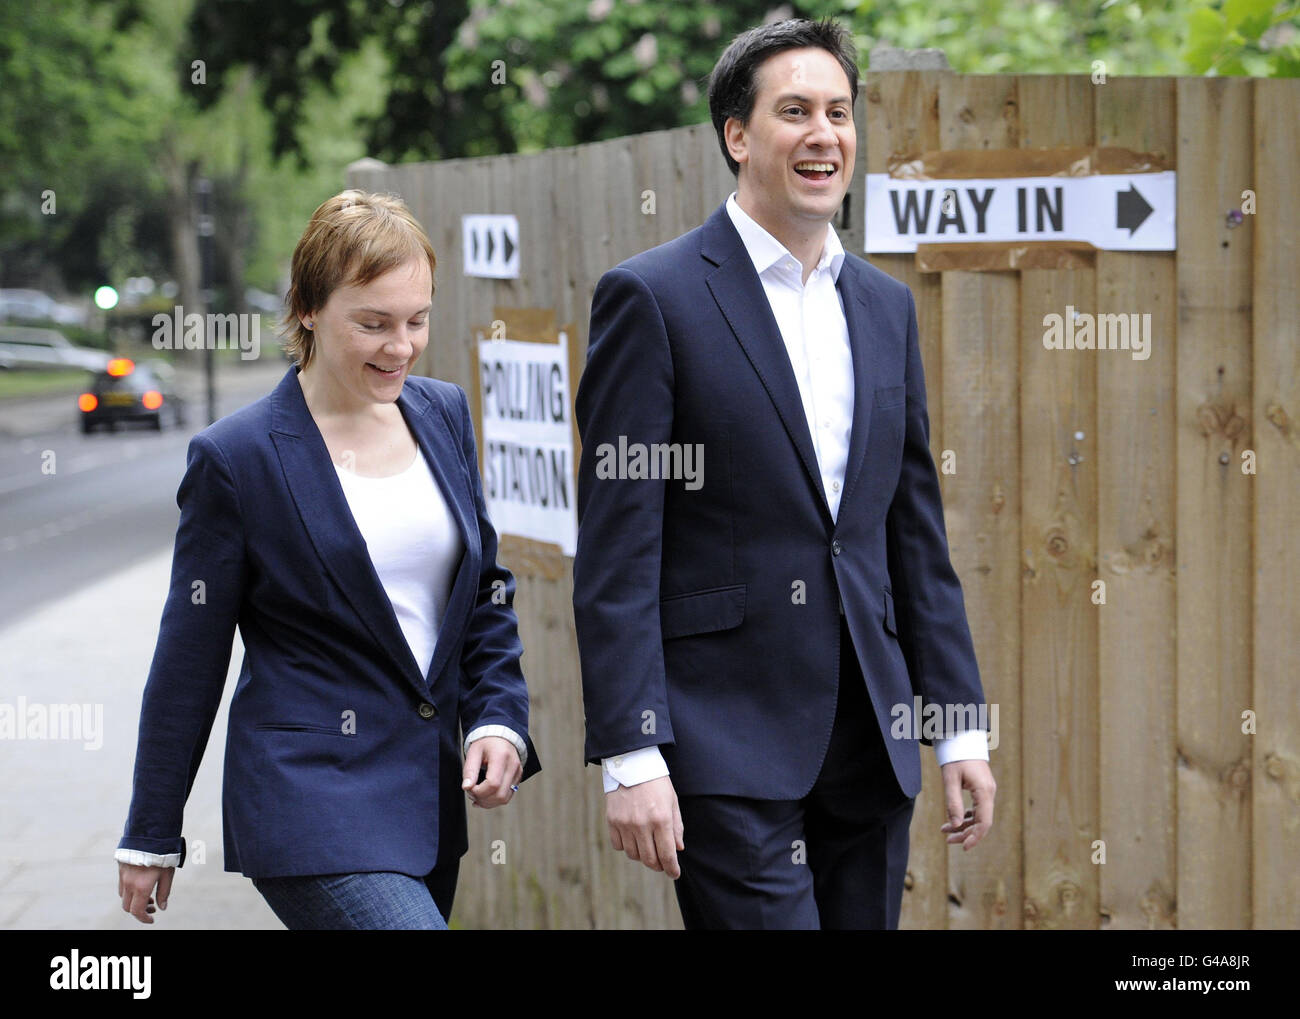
{"x": 1131, "y": 209}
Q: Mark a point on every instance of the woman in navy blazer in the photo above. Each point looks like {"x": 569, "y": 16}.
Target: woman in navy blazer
{"x": 343, "y": 768}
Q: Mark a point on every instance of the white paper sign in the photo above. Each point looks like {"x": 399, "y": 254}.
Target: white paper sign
{"x": 527, "y": 440}
{"x": 1114, "y": 212}
{"x": 491, "y": 245}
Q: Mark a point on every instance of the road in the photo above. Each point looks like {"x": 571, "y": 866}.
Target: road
{"x": 75, "y": 508}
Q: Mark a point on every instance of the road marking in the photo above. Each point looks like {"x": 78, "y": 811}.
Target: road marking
{"x": 64, "y": 525}
{"x": 131, "y": 450}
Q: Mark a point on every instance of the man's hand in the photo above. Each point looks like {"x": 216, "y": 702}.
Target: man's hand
{"x": 135, "y": 888}
{"x": 645, "y": 823}
{"x": 500, "y": 760}
{"x": 975, "y": 824}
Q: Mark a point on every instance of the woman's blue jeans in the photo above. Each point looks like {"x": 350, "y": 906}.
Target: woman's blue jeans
{"x": 362, "y": 902}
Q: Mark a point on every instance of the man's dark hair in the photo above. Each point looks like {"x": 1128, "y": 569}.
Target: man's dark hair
{"x": 733, "y": 85}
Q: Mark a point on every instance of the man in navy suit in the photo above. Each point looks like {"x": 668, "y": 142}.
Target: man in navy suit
{"x": 762, "y": 586}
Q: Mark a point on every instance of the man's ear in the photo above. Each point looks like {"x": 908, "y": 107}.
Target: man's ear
{"x": 737, "y": 144}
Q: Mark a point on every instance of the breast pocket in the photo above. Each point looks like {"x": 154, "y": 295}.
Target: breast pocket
{"x": 711, "y": 611}
{"x": 889, "y": 396}
{"x": 888, "y": 429}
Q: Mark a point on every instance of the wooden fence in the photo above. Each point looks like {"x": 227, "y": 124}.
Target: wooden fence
{"x": 1121, "y": 725}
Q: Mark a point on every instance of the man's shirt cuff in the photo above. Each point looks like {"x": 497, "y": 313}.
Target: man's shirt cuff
{"x": 971, "y": 745}
{"x": 505, "y": 732}
{"x": 143, "y": 859}
{"x": 632, "y": 768}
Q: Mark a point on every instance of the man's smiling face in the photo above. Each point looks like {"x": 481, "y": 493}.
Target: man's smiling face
{"x": 802, "y": 123}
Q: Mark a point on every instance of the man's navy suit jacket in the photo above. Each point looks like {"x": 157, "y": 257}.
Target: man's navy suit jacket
{"x": 267, "y": 541}
{"x": 708, "y": 620}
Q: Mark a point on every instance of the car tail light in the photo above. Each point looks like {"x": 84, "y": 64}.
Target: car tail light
{"x": 120, "y": 366}
{"x": 152, "y": 399}
{"x": 87, "y": 402}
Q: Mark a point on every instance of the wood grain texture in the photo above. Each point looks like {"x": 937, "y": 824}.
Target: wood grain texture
{"x": 1275, "y": 816}
{"x": 1215, "y": 504}
{"x": 899, "y": 113}
{"x": 982, "y": 503}
{"x": 1136, "y": 548}
{"x": 1058, "y": 408}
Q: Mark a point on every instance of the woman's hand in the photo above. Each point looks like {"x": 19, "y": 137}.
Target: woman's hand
{"x": 135, "y": 885}
{"x": 499, "y": 758}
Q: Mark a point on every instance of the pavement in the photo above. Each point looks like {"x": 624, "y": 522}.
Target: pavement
{"x": 65, "y": 801}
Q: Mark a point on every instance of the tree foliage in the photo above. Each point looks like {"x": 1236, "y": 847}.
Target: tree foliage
{"x": 100, "y": 102}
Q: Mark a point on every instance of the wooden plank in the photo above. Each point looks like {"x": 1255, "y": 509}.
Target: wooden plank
{"x": 982, "y": 511}
{"x": 574, "y": 809}
{"x": 1276, "y": 660}
{"x": 898, "y": 111}
{"x": 1059, "y": 497}
{"x": 486, "y": 892}
{"x": 1135, "y": 527}
{"x": 533, "y": 853}
{"x": 710, "y": 168}
{"x": 983, "y": 501}
{"x": 1215, "y": 162}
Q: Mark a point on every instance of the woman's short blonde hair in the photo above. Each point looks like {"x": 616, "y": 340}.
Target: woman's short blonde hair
{"x": 353, "y": 238}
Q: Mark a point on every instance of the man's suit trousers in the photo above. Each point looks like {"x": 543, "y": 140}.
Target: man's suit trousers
{"x": 835, "y": 859}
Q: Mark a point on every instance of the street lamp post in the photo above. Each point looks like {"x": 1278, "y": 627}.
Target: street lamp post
{"x": 205, "y": 231}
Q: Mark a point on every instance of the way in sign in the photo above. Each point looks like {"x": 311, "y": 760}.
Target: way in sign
{"x": 913, "y": 213}
{"x": 1107, "y": 211}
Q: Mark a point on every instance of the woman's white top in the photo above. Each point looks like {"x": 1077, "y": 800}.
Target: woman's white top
{"x": 414, "y": 544}
{"x": 416, "y": 549}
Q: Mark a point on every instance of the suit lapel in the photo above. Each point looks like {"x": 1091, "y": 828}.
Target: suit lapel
{"x": 439, "y": 448}
{"x": 314, "y": 486}
{"x": 855, "y": 296}
{"x": 740, "y": 296}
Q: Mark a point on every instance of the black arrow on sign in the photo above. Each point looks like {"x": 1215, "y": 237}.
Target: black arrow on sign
{"x": 510, "y": 247}
{"x": 489, "y": 246}
{"x": 1131, "y": 209}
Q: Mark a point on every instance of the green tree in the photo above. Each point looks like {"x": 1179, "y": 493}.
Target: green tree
{"x": 1260, "y": 38}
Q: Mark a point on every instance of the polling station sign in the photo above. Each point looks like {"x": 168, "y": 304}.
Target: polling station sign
{"x": 526, "y": 439}
{"x": 1112, "y": 212}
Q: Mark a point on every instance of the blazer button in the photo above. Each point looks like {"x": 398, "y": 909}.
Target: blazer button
{"x": 427, "y": 710}
{"x": 836, "y": 547}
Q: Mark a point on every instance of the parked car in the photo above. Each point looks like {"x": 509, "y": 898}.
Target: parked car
{"x": 34, "y": 347}
{"x": 126, "y": 391}
{"x": 16, "y": 303}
